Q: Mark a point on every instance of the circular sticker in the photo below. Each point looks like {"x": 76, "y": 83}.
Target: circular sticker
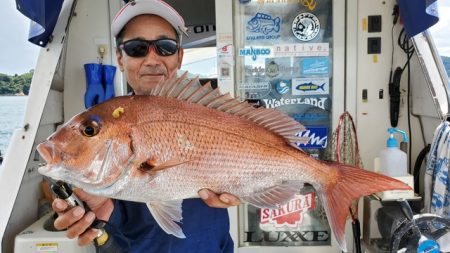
{"x": 306, "y": 26}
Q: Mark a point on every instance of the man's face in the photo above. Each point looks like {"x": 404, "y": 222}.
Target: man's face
{"x": 143, "y": 73}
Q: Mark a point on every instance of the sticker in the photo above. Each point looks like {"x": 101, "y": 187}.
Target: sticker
{"x": 315, "y": 66}
{"x": 283, "y": 86}
{"x": 224, "y": 70}
{"x": 312, "y": 101}
{"x": 272, "y": 69}
{"x": 288, "y": 215}
{"x": 225, "y": 61}
{"x": 306, "y": 26}
{"x": 428, "y": 246}
{"x": 263, "y": 27}
{"x": 310, "y": 117}
{"x": 263, "y": 23}
{"x": 299, "y": 50}
{"x": 254, "y": 71}
{"x": 310, "y": 86}
{"x": 254, "y": 52}
{"x": 47, "y": 247}
{"x": 280, "y": 66}
{"x": 226, "y": 50}
{"x": 254, "y": 86}
{"x": 310, "y": 4}
{"x": 318, "y": 137}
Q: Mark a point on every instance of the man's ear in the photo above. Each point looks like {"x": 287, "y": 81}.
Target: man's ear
{"x": 180, "y": 57}
{"x": 119, "y": 59}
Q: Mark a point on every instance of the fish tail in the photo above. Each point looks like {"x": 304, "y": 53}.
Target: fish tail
{"x": 322, "y": 86}
{"x": 352, "y": 183}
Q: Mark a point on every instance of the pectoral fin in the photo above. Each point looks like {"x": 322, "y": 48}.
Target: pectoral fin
{"x": 166, "y": 214}
{"x": 274, "y": 196}
{"x": 152, "y": 165}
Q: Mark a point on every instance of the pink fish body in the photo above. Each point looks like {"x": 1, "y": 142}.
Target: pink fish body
{"x": 163, "y": 148}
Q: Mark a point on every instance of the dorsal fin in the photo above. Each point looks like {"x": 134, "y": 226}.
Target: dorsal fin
{"x": 192, "y": 91}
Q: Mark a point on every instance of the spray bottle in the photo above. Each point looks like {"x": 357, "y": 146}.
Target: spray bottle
{"x": 393, "y": 161}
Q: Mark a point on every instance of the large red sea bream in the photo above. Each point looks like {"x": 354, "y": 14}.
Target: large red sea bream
{"x": 165, "y": 147}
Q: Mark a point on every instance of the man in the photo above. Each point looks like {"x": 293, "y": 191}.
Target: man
{"x": 148, "y": 35}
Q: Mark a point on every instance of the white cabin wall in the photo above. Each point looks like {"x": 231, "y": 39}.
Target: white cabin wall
{"x": 90, "y": 28}
{"x": 372, "y": 116}
{"x": 28, "y": 207}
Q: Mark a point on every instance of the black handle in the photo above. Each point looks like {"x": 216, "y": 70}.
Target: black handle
{"x": 63, "y": 191}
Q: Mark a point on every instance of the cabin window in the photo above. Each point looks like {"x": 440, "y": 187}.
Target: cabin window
{"x": 201, "y": 62}
{"x": 433, "y": 52}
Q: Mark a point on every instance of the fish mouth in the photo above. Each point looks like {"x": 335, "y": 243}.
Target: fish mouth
{"x": 55, "y": 169}
{"x": 49, "y": 153}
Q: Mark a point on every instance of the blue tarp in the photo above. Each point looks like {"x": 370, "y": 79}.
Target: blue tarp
{"x": 418, "y": 15}
{"x": 43, "y": 15}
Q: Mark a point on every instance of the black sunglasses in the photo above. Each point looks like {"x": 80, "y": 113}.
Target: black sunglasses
{"x": 140, "y": 47}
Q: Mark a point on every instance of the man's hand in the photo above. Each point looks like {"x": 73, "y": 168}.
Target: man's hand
{"x": 77, "y": 221}
{"x": 223, "y": 200}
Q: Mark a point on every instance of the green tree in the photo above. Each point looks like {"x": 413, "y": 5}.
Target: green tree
{"x": 16, "y": 84}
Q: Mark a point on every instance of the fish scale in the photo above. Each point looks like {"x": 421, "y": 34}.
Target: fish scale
{"x": 161, "y": 149}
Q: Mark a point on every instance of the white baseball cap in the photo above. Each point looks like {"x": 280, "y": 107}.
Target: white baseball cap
{"x": 156, "y": 7}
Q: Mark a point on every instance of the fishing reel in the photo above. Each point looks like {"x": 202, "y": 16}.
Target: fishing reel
{"x": 418, "y": 233}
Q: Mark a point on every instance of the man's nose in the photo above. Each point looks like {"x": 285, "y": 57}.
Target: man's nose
{"x": 152, "y": 55}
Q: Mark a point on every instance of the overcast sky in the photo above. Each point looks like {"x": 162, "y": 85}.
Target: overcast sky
{"x": 441, "y": 31}
{"x": 18, "y": 56}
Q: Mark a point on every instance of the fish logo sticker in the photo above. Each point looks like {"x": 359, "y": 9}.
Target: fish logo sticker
{"x": 282, "y": 86}
{"x": 306, "y": 26}
{"x": 288, "y": 215}
{"x": 310, "y": 86}
{"x": 263, "y": 23}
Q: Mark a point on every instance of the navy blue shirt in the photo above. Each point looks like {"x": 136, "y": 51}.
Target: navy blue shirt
{"x": 206, "y": 229}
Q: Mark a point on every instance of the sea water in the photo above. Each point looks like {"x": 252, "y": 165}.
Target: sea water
{"x": 12, "y": 110}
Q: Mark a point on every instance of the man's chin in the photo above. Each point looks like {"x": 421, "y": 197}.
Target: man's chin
{"x": 148, "y": 83}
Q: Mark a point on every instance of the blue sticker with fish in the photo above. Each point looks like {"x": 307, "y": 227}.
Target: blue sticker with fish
{"x": 283, "y": 86}
{"x": 315, "y": 66}
{"x": 318, "y": 137}
{"x": 264, "y": 27}
{"x": 310, "y": 86}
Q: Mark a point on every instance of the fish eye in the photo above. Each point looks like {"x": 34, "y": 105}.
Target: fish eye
{"x": 90, "y": 128}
